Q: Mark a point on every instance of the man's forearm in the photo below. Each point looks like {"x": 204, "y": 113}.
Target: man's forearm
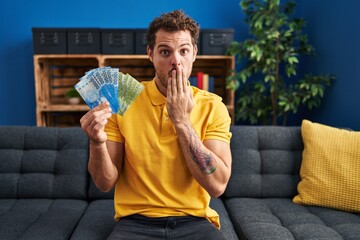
{"x": 201, "y": 156}
{"x": 101, "y": 167}
{"x": 206, "y": 167}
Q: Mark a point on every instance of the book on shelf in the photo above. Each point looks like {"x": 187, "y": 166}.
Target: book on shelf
{"x": 193, "y": 81}
{"x": 203, "y": 81}
{"x": 200, "y": 79}
{"x": 211, "y": 84}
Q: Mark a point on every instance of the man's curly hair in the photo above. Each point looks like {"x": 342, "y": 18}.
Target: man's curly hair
{"x": 171, "y": 22}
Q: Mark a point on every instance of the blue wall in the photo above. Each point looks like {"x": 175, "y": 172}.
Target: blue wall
{"x": 333, "y": 28}
{"x": 334, "y": 31}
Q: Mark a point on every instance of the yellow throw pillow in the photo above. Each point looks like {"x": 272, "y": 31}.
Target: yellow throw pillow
{"x": 330, "y": 169}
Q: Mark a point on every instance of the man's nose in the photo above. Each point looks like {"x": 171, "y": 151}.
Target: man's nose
{"x": 175, "y": 60}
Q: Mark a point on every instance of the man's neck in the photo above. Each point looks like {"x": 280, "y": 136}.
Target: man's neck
{"x": 162, "y": 89}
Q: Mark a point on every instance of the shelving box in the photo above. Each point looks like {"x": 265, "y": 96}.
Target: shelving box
{"x": 216, "y": 41}
{"x": 140, "y": 41}
{"x": 49, "y": 40}
{"x": 117, "y": 41}
{"x": 83, "y": 40}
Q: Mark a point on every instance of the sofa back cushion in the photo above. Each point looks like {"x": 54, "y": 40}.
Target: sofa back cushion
{"x": 266, "y": 161}
{"x": 39, "y": 162}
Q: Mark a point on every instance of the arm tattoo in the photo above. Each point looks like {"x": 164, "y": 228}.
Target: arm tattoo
{"x": 203, "y": 159}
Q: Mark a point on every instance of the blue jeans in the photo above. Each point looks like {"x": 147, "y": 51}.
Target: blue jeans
{"x": 136, "y": 227}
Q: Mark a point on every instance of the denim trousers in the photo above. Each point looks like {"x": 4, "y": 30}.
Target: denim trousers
{"x": 136, "y": 227}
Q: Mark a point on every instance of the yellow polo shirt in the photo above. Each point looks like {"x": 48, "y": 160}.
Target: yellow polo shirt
{"x": 155, "y": 181}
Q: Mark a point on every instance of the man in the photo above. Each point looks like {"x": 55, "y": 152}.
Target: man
{"x": 170, "y": 151}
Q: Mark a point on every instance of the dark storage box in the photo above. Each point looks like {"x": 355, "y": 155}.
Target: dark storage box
{"x": 216, "y": 41}
{"x": 199, "y": 44}
{"x": 117, "y": 41}
{"x": 49, "y": 40}
{"x": 83, "y": 40}
{"x": 140, "y": 41}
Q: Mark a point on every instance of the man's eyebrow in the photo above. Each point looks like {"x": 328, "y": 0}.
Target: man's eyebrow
{"x": 163, "y": 45}
{"x": 167, "y": 46}
{"x": 185, "y": 44}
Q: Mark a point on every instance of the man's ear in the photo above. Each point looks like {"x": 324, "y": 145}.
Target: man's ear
{"x": 149, "y": 53}
{"x": 195, "y": 52}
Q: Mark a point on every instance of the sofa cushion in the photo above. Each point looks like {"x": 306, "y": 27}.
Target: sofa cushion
{"x": 227, "y": 227}
{"x": 280, "y": 218}
{"x": 266, "y": 161}
{"x": 97, "y": 222}
{"x": 40, "y": 162}
{"x": 39, "y": 218}
{"x": 331, "y": 167}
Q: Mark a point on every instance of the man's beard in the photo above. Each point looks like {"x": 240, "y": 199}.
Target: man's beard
{"x": 164, "y": 78}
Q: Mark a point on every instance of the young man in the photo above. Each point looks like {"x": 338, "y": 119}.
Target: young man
{"x": 170, "y": 151}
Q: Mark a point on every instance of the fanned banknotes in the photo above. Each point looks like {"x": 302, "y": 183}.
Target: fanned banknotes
{"x": 108, "y": 84}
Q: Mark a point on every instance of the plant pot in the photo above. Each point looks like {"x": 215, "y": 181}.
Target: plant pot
{"x": 74, "y": 100}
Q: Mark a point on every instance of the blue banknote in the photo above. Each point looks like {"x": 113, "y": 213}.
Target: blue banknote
{"x": 97, "y": 87}
{"x": 107, "y": 84}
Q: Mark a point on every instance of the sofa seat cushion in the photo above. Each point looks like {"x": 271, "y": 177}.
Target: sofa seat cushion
{"x": 280, "y": 218}
{"x": 39, "y": 218}
{"x": 227, "y": 227}
{"x": 97, "y": 222}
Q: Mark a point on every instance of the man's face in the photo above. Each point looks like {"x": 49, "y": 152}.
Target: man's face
{"x": 172, "y": 50}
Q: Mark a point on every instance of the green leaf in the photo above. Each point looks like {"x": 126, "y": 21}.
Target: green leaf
{"x": 293, "y": 60}
{"x": 290, "y": 70}
{"x": 314, "y": 90}
{"x": 288, "y": 33}
{"x": 273, "y": 35}
{"x": 258, "y": 24}
{"x": 282, "y": 103}
{"x": 243, "y": 77}
{"x": 253, "y": 54}
{"x": 287, "y": 107}
{"x": 269, "y": 78}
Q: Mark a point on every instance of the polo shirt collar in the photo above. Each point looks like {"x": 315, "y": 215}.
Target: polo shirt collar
{"x": 155, "y": 95}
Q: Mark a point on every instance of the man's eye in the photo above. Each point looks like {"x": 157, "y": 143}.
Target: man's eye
{"x": 164, "y": 52}
{"x": 184, "y": 51}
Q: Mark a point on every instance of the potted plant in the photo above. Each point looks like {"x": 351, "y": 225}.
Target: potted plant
{"x": 268, "y": 90}
{"x": 73, "y": 96}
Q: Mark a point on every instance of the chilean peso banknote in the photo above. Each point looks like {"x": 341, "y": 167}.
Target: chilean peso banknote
{"x": 107, "y": 84}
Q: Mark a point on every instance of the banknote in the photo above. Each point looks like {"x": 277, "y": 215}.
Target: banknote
{"x": 108, "y": 84}
{"x": 129, "y": 89}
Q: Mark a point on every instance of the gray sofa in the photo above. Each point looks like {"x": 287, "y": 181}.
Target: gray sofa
{"x": 47, "y": 193}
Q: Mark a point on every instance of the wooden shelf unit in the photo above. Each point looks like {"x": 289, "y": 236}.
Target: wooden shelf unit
{"x": 55, "y": 74}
